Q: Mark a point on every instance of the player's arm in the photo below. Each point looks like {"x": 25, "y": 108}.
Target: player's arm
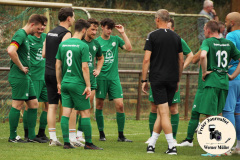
{"x": 97, "y": 71}
{"x": 58, "y": 66}
{"x": 236, "y": 72}
{"x": 127, "y": 46}
{"x": 44, "y": 49}
{"x": 12, "y": 52}
{"x": 180, "y": 63}
{"x": 188, "y": 60}
{"x": 67, "y": 36}
{"x": 196, "y": 57}
{"x": 145, "y": 66}
{"x": 86, "y": 77}
{"x": 203, "y": 62}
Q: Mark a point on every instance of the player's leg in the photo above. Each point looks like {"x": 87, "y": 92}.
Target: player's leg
{"x": 101, "y": 93}
{"x": 25, "y": 123}
{"x": 153, "y": 113}
{"x": 14, "y": 115}
{"x": 41, "y": 93}
{"x": 53, "y": 99}
{"x": 72, "y": 130}
{"x": 175, "y": 114}
{"x": 115, "y": 93}
{"x": 194, "y": 120}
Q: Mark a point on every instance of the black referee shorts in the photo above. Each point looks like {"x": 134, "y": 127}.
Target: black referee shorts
{"x": 163, "y": 92}
{"x": 51, "y": 83}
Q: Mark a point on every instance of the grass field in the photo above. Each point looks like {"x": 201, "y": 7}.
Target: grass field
{"x": 134, "y": 130}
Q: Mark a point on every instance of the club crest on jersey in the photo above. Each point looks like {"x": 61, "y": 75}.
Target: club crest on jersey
{"x": 94, "y": 48}
{"x": 114, "y": 44}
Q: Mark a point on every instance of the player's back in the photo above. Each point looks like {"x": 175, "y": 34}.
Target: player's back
{"x": 73, "y": 52}
{"x": 219, "y": 53}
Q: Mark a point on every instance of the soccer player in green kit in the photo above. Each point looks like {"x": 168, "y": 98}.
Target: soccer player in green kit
{"x": 73, "y": 82}
{"x": 108, "y": 81}
{"x": 20, "y": 81}
{"x": 37, "y": 77}
{"x": 176, "y": 99}
{"x": 94, "y": 51}
{"x": 215, "y": 55}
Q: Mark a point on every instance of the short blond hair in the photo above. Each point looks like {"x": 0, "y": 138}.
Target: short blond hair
{"x": 207, "y": 3}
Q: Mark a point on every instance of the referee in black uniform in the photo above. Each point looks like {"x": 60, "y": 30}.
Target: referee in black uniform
{"x": 50, "y": 48}
{"x": 163, "y": 52}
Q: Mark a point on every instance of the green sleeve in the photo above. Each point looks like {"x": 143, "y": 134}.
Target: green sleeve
{"x": 58, "y": 56}
{"x": 185, "y": 48}
{"x": 19, "y": 37}
{"x": 120, "y": 41}
{"x": 85, "y": 53}
{"x": 235, "y": 54}
{"x": 205, "y": 46}
{"x": 99, "y": 50}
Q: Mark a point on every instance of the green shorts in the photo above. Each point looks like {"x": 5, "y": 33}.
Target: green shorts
{"x": 93, "y": 83}
{"x": 176, "y": 98}
{"x": 22, "y": 89}
{"x": 111, "y": 87}
{"x": 41, "y": 90}
{"x": 72, "y": 96}
{"x": 213, "y": 101}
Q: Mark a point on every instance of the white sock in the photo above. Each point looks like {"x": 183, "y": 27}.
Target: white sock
{"x": 79, "y": 133}
{"x": 72, "y": 134}
{"x": 169, "y": 138}
{"x": 238, "y": 144}
{"x": 153, "y": 139}
{"x": 52, "y": 133}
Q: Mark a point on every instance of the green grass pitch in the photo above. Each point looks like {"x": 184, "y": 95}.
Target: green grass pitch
{"x": 135, "y": 130}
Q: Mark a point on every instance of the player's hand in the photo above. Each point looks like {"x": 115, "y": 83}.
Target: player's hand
{"x": 145, "y": 87}
{"x": 230, "y": 77}
{"x": 96, "y": 72}
{"x": 119, "y": 28}
{"x": 24, "y": 69}
{"x": 205, "y": 74}
{"x": 230, "y": 66}
{"x": 87, "y": 91}
{"x": 59, "y": 88}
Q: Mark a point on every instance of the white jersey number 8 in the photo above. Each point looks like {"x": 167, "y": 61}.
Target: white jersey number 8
{"x": 69, "y": 58}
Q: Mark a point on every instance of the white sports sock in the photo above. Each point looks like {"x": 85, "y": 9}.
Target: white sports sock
{"x": 238, "y": 144}
{"x": 52, "y": 134}
{"x": 72, "y": 134}
{"x": 79, "y": 133}
{"x": 169, "y": 138}
{"x": 153, "y": 139}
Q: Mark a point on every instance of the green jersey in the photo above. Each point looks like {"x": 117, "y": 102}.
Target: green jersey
{"x": 20, "y": 40}
{"x": 185, "y": 48}
{"x": 37, "y": 61}
{"x": 110, "y": 52}
{"x": 94, "y": 51}
{"x": 73, "y": 52}
{"x": 219, "y": 53}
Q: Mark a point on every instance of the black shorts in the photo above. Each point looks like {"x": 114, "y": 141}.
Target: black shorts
{"x": 51, "y": 83}
{"x": 163, "y": 92}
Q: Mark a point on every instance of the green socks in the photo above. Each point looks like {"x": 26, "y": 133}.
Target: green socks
{"x": 65, "y": 128}
{"x": 43, "y": 120}
{"x": 152, "y": 119}
{"x": 87, "y": 129}
{"x": 174, "y": 122}
{"x": 120, "y": 121}
{"x": 79, "y": 124}
{"x": 99, "y": 119}
{"x": 25, "y": 121}
{"x": 32, "y": 120}
{"x": 192, "y": 125}
{"x": 14, "y": 115}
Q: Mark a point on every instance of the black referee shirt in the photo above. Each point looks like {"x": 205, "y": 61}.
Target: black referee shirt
{"x": 165, "y": 46}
